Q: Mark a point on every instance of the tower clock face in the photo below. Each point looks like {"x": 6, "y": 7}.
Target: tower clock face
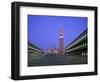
{"x": 61, "y": 35}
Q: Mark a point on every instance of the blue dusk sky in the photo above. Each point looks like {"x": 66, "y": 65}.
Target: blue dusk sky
{"x": 43, "y": 30}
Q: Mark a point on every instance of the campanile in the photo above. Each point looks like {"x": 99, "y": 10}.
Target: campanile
{"x": 61, "y": 41}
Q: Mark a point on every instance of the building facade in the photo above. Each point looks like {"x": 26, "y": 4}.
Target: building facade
{"x": 78, "y": 46}
{"x": 52, "y": 51}
{"x": 33, "y": 50}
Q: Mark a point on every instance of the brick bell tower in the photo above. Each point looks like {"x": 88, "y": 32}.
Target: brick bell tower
{"x": 61, "y": 41}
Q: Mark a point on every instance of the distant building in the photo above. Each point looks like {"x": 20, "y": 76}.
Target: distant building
{"x": 52, "y": 51}
{"x": 56, "y": 51}
{"x": 78, "y": 46}
{"x": 49, "y": 51}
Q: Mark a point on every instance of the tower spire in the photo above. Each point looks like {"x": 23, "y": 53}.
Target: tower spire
{"x": 61, "y": 29}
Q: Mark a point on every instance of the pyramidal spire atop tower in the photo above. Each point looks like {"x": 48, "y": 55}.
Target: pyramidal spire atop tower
{"x": 61, "y": 30}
